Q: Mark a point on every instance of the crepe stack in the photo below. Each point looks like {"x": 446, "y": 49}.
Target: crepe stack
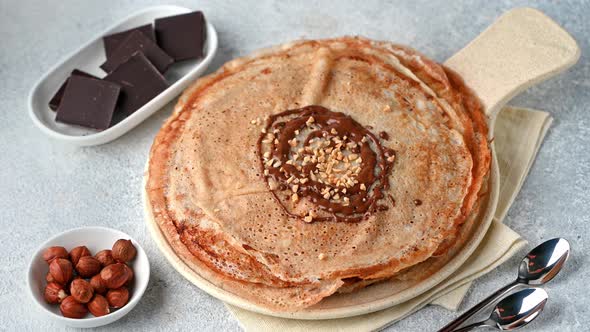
{"x": 317, "y": 167}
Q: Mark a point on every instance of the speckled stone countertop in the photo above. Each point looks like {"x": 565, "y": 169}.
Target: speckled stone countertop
{"x": 47, "y": 187}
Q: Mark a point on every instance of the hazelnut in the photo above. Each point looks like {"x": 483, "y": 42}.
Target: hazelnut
{"x": 54, "y": 293}
{"x": 98, "y": 284}
{"x": 115, "y": 275}
{"x": 99, "y": 306}
{"x": 130, "y": 277}
{"x": 78, "y": 252}
{"x": 49, "y": 278}
{"x": 72, "y": 309}
{"x": 88, "y": 266}
{"x": 54, "y": 252}
{"x": 61, "y": 270}
{"x": 105, "y": 257}
{"x": 124, "y": 251}
{"x": 117, "y": 298}
{"x": 81, "y": 290}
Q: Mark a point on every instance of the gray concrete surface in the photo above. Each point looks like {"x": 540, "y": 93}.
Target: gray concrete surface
{"x": 47, "y": 187}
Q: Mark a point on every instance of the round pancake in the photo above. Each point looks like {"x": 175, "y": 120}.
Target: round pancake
{"x": 217, "y": 204}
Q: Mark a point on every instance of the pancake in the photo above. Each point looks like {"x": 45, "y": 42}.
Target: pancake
{"x": 319, "y": 165}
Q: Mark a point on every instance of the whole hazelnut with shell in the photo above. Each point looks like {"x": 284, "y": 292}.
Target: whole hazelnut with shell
{"x": 81, "y": 290}
{"x": 124, "y": 251}
{"x": 77, "y": 253}
{"x": 99, "y": 306}
{"x": 54, "y": 293}
{"x": 71, "y": 308}
{"x": 98, "y": 284}
{"x": 61, "y": 270}
{"x": 115, "y": 275}
{"x": 88, "y": 266}
{"x": 54, "y": 252}
{"x": 117, "y": 298}
{"x": 105, "y": 257}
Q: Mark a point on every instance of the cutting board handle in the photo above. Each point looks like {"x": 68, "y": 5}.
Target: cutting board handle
{"x": 523, "y": 47}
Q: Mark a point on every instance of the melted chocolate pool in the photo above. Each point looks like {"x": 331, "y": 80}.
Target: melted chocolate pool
{"x": 326, "y": 158}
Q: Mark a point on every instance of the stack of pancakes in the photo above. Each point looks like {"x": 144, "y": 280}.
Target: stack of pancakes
{"x": 318, "y": 167}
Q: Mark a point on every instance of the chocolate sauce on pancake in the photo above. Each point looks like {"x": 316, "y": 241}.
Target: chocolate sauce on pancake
{"x": 327, "y": 157}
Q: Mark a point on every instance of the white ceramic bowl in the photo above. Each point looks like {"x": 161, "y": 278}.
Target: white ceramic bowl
{"x": 96, "y": 239}
{"x": 89, "y": 57}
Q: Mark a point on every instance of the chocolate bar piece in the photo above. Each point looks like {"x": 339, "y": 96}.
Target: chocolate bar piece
{"x": 140, "y": 82}
{"x": 54, "y": 102}
{"x": 112, "y": 42}
{"x": 182, "y": 36}
{"x": 88, "y": 102}
{"x": 138, "y": 42}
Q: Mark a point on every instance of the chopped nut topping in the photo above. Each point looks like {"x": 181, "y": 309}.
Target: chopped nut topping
{"x": 322, "y": 256}
{"x": 363, "y": 187}
{"x": 295, "y": 198}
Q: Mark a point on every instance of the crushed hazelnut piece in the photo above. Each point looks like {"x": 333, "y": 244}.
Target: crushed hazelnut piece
{"x": 322, "y": 256}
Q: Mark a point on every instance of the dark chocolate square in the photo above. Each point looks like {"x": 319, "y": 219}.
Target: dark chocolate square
{"x": 140, "y": 82}
{"x": 138, "y": 42}
{"x": 182, "y": 36}
{"x": 54, "y": 102}
{"x": 88, "y": 102}
{"x": 112, "y": 42}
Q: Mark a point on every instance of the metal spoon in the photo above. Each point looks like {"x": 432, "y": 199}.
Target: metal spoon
{"x": 539, "y": 266}
{"x": 514, "y": 311}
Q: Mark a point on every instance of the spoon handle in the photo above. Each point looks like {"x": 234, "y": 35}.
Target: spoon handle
{"x": 452, "y": 326}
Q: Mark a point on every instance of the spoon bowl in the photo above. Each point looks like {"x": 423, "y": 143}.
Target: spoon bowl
{"x": 543, "y": 263}
{"x": 519, "y": 309}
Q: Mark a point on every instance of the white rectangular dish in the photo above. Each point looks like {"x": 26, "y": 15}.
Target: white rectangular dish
{"x": 89, "y": 57}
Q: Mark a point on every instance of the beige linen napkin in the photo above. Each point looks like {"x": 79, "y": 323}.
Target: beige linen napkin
{"x": 517, "y": 137}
